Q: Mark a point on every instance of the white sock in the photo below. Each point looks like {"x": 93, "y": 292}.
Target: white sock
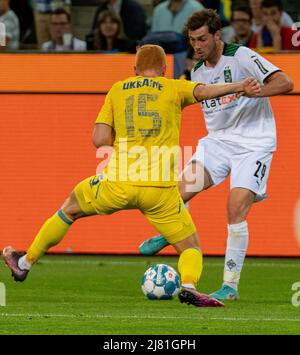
{"x": 23, "y": 263}
{"x": 237, "y": 244}
{"x": 188, "y": 286}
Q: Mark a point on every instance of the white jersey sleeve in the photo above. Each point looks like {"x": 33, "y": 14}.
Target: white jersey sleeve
{"x": 254, "y": 64}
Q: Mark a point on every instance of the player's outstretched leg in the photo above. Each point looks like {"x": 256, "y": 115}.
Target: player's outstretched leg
{"x": 51, "y": 233}
{"x": 190, "y": 267}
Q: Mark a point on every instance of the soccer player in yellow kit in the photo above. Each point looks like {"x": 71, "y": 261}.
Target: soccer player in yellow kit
{"x": 140, "y": 115}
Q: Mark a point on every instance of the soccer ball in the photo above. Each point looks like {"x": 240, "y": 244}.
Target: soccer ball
{"x": 160, "y": 282}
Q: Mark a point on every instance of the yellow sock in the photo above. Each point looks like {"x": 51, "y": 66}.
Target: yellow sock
{"x": 190, "y": 266}
{"x": 51, "y": 233}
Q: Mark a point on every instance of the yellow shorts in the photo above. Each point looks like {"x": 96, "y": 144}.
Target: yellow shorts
{"x": 162, "y": 206}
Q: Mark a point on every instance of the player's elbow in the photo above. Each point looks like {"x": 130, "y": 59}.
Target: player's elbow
{"x": 202, "y": 92}
{"x": 289, "y": 84}
{"x": 103, "y": 135}
{"x": 96, "y": 142}
{"x": 101, "y": 141}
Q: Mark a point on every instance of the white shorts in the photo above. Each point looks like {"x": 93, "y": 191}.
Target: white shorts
{"x": 247, "y": 169}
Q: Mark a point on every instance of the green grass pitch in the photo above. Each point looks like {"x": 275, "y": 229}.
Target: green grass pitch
{"x": 102, "y": 295}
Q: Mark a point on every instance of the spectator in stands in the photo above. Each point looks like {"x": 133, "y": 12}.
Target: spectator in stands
{"x": 24, "y": 12}
{"x": 257, "y": 22}
{"x": 223, "y": 8}
{"x": 241, "y": 24}
{"x": 171, "y": 15}
{"x": 274, "y": 34}
{"x": 109, "y": 35}
{"x": 154, "y": 3}
{"x": 12, "y": 26}
{"x": 61, "y": 36}
{"x": 42, "y": 16}
{"x": 211, "y": 4}
{"x": 131, "y": 13}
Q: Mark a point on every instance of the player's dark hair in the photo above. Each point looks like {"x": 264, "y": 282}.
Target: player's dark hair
{"x": 271, "y": 3}
{"x": 242, "y": 8}
{"x": 207, "y": 17}
{"x": 61, "y": 11}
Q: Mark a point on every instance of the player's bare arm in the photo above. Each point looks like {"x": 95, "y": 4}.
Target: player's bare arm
{"x": 250, "y": 87}
{"x": 103, "y": 135}
{"x": 276, "y": 84}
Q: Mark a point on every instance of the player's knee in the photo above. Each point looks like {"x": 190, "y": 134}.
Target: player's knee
{"x": 70, "y": 212}
{"x": 191, "y": 242}
{"x": 71, "y": 208}
{"x": 237, "y": 212}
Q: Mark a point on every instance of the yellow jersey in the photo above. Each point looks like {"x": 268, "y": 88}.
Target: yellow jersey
{"x": 146, "y": 114}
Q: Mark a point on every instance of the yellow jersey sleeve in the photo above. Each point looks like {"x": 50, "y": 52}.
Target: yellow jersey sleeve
{"x": 106, "y": 113}
{"x": 185, "y": 91}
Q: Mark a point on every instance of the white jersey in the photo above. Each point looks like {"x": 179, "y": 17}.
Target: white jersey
{"x": 245, "y": 122}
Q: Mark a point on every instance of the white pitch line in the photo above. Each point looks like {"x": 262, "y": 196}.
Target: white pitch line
{"x": 103, "y": 316}
{"x": 134, "y": 263}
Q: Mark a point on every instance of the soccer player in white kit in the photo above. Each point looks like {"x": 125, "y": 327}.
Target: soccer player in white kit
{"x": 241, "y": 137}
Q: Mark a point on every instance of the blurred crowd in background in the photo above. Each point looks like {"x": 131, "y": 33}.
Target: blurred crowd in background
{"x": 112, "y": 26}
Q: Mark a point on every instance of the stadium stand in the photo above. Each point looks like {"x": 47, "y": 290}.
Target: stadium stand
{"x": 83, "y": 16}
{"x": 12, "y": 25}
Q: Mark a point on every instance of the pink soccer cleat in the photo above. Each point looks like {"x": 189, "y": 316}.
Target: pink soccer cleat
{"x": 11, "y": 258}
{"x": 197, "y": 299}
